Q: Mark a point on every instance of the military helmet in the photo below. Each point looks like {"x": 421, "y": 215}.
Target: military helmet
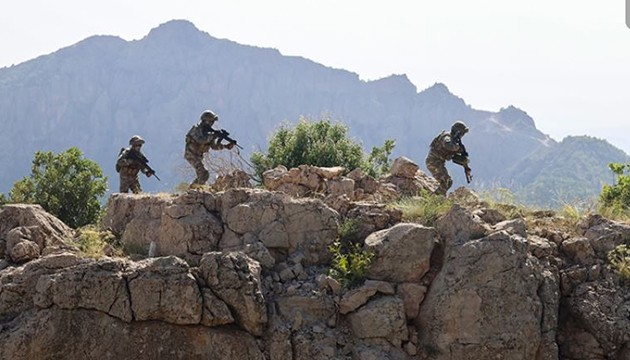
{"x": 209, "y": 115}
{"x": 459, "y": 128}
{"x": 136, "y": 140}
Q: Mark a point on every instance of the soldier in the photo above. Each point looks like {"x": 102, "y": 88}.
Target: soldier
{"x": 199, "y": 140}
{"x": 130, "y": 162}
{"x": 447, "y": 146}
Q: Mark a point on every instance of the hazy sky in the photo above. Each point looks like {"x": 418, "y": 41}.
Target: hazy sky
{"x": 565, "y": 62}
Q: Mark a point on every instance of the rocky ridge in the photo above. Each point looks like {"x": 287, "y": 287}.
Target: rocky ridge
{"x": 242, "y": 274}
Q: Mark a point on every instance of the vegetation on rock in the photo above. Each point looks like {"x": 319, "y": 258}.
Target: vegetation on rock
{"x": 66, "y": 185}
{"x": 320, "y": 143}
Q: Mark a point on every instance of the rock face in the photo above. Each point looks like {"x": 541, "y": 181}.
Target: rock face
{"x": 243, "y": 274}
{"x": 27, "y": 231}
{"x": 486, "y": 297}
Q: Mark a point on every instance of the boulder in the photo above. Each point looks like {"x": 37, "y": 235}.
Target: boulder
{"x": 381, "y": 318}
{"x": 403, "y": 252}
{"x": 235, "y": 279}
{"x": 38, "y": 226}
{"x": 485, "y": 302}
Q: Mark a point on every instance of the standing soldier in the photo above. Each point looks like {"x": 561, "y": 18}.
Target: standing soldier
{"x": 199, "y": 140}
{"x": 448, "y": 146}
{"x": 130, "y": 162}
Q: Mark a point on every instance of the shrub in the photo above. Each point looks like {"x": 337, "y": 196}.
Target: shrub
{"x": 92, "y": 242}
{"x": 66, "y": 185}
{"x": 350, "y": 263}
{"x": 619, "y": 259}
{"x": 615, "y": 199}
{"x": 319, "y": 143}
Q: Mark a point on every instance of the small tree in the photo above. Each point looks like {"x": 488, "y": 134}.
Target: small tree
{"x": 616, "y": 197}
{"x": 66, "y": 185}
{"x": 319, "y": 143}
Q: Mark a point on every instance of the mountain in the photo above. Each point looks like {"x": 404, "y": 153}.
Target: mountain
{"x": 572, "y": 169}
{"x": 99, "y": 92}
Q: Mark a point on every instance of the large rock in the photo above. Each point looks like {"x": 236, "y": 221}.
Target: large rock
{"x": 87, "y": 334}
{"x": 404, "y": 167}
{"x": 283, "y": 224}
{"x": 18, "y": 285}
{"x": 164, "y": 289}
{"x": 603, "y": 234}
{"x": 96, "y": 285}
{"x": 371, "y": 217}
{"x": 36, "y": 226}
{"x": 19, "y": 245}
{"x": 381, "y": 318}
{"x": 135, "y": 218}
{"x": 154, "y": 289}
{"x": 601, "y": 311}
{"x": 408, "y": 179}
{"x": 485, "y": 303}
{"x": 235, "y": 279}
{"x": 188, "y": 229}
{"x": 403, "y": 252}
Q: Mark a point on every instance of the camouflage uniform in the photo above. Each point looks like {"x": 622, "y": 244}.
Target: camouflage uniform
{"x": 443, "y": 148}
{"x": 128, "y": 167}
{"x": 199, "y": 141}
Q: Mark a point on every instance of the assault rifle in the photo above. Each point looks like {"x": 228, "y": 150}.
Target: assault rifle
{"x": 143, "y": 161}
{"x": 462, "y": 159}
{"x": 224, "y": 135}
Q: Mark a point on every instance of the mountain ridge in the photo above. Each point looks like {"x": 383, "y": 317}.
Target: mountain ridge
{"x": 99, "y": 92}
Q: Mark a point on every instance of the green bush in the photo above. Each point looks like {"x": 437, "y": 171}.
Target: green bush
{"x": 619, "y": 259}
{"x": 350, "y": 263}
{"x": 66, "y": 185}
{"x": 615, "y": 199}
{"x": 319, "y": 143}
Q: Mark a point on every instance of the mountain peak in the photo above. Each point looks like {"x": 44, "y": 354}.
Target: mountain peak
{"x": 438, "y": 88}
{"x": 176, "y": 31}
{"x": 396, "y": 83}
{"x": 514, "y": 116}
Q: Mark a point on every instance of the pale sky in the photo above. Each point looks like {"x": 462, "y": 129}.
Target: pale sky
{"x": 565, "y": 62}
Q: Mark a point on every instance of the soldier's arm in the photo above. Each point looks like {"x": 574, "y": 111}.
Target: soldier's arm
{"x": 123, "y": 160}
{"x": 200, "y": 136}
{"x": 451, "y": 145}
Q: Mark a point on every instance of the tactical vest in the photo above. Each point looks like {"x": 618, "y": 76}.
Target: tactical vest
{"x": 438, "y": 149}
{"x": 192, "y": 144}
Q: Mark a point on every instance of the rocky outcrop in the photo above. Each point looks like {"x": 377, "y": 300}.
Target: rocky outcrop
{"x": 405, "y": 179}
{"x": 243, "y": 274}
{"x": 27, "y": 231}
{"x": 268, "y": 226}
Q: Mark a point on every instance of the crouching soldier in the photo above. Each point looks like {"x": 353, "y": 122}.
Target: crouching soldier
{"x": 448, "y": 146}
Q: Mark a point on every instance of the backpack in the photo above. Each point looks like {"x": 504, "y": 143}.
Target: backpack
{"x": 120, "y": 153}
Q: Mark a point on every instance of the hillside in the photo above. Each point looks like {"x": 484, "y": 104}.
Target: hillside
{"x": 570, "y": 170}
{"x": 99, "y": 92}
{"x": 245, "y": 274}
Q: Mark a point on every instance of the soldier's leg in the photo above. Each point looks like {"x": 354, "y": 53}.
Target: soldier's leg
{"x": 197, "y": 163}
{"x": 439, "y": 172}
{"x": 135, "y": 185}
{"x": 124, "y": 184}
